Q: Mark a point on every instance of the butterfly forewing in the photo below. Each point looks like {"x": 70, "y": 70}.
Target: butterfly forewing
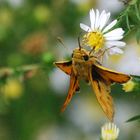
{"x": 111, "y": 75}
{"x": 65, "y": 66}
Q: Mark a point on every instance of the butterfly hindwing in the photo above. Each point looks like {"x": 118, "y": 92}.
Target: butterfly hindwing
{"x": 65, "y": 66}
{"x": 101, "y": 88}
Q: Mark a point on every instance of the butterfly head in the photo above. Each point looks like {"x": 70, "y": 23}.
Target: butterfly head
{"x": 80, "y": 54}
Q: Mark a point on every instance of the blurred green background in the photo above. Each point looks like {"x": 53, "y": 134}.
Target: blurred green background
{"x": 32, "y": 89}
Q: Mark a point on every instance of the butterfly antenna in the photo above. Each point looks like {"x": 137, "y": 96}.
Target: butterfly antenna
{"x": 79, "y": 40}
{"x": 60, "y": 40}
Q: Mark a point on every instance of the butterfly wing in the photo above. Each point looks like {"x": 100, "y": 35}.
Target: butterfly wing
{"x": 74, "y": 86}
{"x": 110, "y": 75}
{"x": 65, "y": 66}
{"x": 101, "y": 88}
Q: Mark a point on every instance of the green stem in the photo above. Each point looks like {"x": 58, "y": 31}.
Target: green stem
{"x": 137, "y": 11}
{"x": 127, "y": 22}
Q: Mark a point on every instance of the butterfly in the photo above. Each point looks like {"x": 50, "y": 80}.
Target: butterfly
{"x": 84, "y": 65}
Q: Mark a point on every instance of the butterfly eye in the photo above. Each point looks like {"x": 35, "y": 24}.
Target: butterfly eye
{"x": 85, "y": 57}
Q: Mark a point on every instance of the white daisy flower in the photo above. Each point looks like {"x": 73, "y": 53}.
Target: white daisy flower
{"x": 109, "y": 132}
{"x": 100, "y": 36}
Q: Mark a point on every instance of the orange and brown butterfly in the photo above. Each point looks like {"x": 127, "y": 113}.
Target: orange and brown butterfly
{"x": 84, "y": 65}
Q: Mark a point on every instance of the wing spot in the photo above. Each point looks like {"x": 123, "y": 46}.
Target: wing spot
{"x": 99, "y": 86}
{"x": 108, "y": 97}
{"x": 69, "y": 96}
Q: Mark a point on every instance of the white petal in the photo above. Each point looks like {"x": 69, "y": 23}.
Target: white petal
{"x": 115, "y": 32}
{"x": 85, "y": 27}
{"x": 108, "y": 16}
{"x": 115, "y": 51}
{"x": 92, "y": 18}
{"x": 97, "y": 19}
{"x": 114, "y": 38}
{"x": 104, "y": 20}
{"x": 116, "y": 43}
{"x": 106, "y": 56}
{"x": 101, "y": 18}
{"x": 109, "y": 26}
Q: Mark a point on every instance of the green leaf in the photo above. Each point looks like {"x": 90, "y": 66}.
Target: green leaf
{"x": 136, "y": 78}
{"x": 134, "y": 118}
{"x": 132, "y": 2}
{"x": 138, "y": 36}
{"x": 47, "y": 58}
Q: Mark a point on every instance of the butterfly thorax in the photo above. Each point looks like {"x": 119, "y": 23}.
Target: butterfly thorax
{"x": 82, "y": 62}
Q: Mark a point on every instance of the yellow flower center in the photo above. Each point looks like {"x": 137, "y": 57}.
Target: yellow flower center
{"x": 13, "y": 89}
{"x": 110, "y": 135}
{"x": 94, "y": 40}
{"x": 129, "y": 86}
